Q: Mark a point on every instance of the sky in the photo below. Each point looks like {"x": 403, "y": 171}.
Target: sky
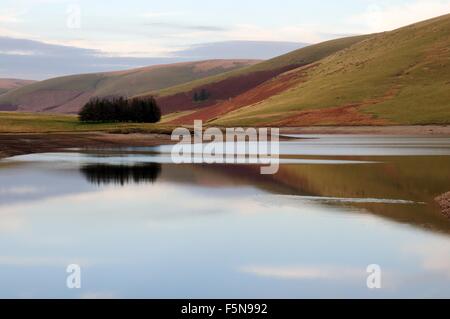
{"x": 41, "y": 39}
{"x": 143, "y": 28}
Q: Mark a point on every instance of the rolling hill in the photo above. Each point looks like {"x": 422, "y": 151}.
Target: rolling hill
{"x": 396, "y": 77}
{"x": 7, "y": 85}
{"x": 68, "y": 94}
{"x": 225, "y": 86}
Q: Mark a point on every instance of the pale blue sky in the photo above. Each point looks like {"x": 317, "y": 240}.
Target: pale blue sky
{"x": 154, "y": 28}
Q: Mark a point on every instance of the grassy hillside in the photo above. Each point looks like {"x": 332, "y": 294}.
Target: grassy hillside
{"x": 397, "y": 77}
{"x": 68, "y": 94}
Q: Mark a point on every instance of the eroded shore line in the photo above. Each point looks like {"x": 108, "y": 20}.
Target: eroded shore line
{"x": 20, "y": 144}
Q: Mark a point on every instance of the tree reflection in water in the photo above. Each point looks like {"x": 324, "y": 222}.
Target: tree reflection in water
{"x": 104, "y": 174}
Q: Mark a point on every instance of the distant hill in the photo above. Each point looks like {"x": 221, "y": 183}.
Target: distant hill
{"x": 68, "y": 94}
{"x": 396, "y": 77}
{"x": 11, "y": 84}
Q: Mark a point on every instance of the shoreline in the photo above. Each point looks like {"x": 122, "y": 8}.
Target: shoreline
{"x": 12, "y": 144}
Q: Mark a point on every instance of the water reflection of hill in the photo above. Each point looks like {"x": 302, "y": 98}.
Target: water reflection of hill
{"x": 418, "y": 179}
{"x": 104, "y": 174}
{"x": 414, "y": 178}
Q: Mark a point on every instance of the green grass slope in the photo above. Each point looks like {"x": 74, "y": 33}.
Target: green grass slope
{"x": 397, "y": 77}
{"x": 67, "y": 94}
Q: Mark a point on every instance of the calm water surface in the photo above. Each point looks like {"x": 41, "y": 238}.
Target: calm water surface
{"x": 141, "y": 227}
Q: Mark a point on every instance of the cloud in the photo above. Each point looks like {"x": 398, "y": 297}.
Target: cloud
{"x": 41, "y": 261}
{"x": 435, "y": 258}
{"x": 9, "y": 44}
{"x": 9, "y": 19}
{"x": 8, "y": 16}
{"x": 306, "y": 272}
{"x": 4, "y": 18}
{"x": 163, "y": 14}
{"x": 17, "y": 52}
{"x": 167, "y": 25}
{"x": 28, "y": 59}
{"x": 6, "y": 32}
{"x": 119, "y": 48}
{"x": 308, "y": 34}
{"x": 378, "y": 18}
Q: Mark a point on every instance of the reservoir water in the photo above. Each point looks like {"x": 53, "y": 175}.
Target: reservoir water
{"x": 142, "y": 227}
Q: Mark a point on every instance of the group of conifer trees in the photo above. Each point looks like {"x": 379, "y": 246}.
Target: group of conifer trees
{"x": 119, "y": 109}
{"x": 201, "y": 96}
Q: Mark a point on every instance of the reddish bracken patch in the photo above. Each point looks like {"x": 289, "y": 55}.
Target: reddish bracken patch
{"x": 219, "y": 91}
{"x": 344, "y": 115}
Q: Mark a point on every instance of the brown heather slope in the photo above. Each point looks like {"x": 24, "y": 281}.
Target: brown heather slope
{"x": 7, "y": 85}
{"x": 223, "y": 90}
{"x": 68, "y": 94}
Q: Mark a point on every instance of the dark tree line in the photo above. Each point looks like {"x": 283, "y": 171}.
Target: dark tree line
{"x": 119, "y": 109}
{"x": 201, "y": 96}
